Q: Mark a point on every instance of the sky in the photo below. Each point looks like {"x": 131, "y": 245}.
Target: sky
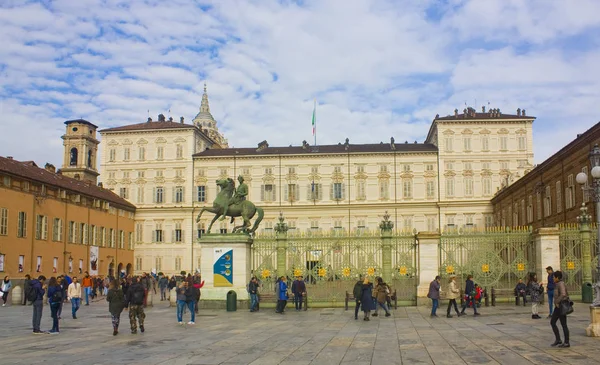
{"x": 377, "y": 68}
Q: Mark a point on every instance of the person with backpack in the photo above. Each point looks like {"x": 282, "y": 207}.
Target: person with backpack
{"x": 135, "y": 302}
{"x": 357, "y": 293}
{"x": 55, "y": 298}
{"x": 5, "y": 288}
{"x": 115, "y": 299}
{"x": 35, "y": 294}
{"x": 74, "y": 295}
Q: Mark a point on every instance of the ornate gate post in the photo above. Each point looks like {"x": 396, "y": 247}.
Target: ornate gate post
{"x": 547, "y": 250}
{"x": 281, "y": 229}
{"x": 584, "y": 220}
{"x": 429, "y": 263}
{"x": 386, "y": 227}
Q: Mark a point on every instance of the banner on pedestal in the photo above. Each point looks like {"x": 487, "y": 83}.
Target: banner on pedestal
{"x": 223, "y": 267}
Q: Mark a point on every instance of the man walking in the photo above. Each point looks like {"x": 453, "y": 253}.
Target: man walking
{"x": 550, "y": 288}
{"x": 147, "y": 286}
{"x": 434, "y": 295}
{"x": 74, "y": 294}
{"x": 87, "y": 285}
{"x": 299, "y": 291}
{"x": 39, "y": 286}
{"x": 135, "y": 302}
{"x": 469, "y": 295}
{"x": 163, "y": 282}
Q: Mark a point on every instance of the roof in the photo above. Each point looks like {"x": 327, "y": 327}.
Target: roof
{"x": 81, "y": 121}
{"x": 324, "y": 149}
{"x": 150, "y": 126}
{"x": 479, "y": 116}
{"x": 30, "y": 171}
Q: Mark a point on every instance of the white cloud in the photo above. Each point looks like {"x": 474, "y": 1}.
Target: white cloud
{"x": 378, "y": 68}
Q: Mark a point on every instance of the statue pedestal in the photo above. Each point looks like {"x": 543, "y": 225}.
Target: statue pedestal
{"x": 225, "y": 265}
{"x": 593, "y": 330}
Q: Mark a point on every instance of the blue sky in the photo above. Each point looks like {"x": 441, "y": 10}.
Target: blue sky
{"x": 377, "y": 68}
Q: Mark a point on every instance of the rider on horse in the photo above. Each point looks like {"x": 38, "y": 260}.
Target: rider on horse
{"x": 239, "y": 196}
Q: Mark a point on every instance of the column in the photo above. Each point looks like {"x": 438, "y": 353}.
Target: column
{"x": 282, "y": 246}
{"x": 547, "y": 251}
{"x": 586, "y": 248}
{"x": 429, "y": 262}
{"x": 386, "y": 254}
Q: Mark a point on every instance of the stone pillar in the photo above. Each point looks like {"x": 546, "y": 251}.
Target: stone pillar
{"x": 149, "y": 298}
{"x": 16, "y": 295}
{"x": 586, "y": 249}
{"x": 547, "y": 251}
{"x": 282, "y": 246}
{"x": 429, "y": 262}
{"x": 386, "y": 255}
{"x": 593, "y": 330}
{"x": 173, "y": 298}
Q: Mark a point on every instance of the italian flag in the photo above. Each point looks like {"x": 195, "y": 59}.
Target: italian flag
{"x": 314, "y": 118}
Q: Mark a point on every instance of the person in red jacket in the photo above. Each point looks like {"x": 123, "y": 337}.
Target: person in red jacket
{"x": 197, "y": 284}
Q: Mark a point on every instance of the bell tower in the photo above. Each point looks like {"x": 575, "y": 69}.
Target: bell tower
{"x": 81, "y": 149}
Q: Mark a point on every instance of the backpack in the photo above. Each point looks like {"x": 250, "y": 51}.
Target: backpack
{"x": 31, "y": 294}
{"x": 137, "y": 297}
{"x": 57, "y": 296}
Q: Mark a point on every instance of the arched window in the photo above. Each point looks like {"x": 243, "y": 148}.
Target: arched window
{"x": 89, "y": 161}
{"x": 73, "y": 157}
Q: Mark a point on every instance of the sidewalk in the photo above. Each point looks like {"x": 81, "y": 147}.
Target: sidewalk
{"x": 502, "y": 335}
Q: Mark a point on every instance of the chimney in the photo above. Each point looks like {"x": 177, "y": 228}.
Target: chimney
{"x": 523, "y": 112}
{"x": 149, "y": 119}
{"x": 9, "y": 157}
{"x": 262, "y": 145}
{"x": 483, "y": 109}
{"x": 50, "y": 168}
{"x": 519, "y": 111}
{"x": 171, "y": 119}
{"x": 456, "y": 112}
{"x": 181, "y": 120}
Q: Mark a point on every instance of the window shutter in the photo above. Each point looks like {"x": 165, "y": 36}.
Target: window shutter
{"x": 172, "y": 235}
{"x": 331, "y": 196}
{"x": 297, "y": 193}
{"x": 153, "y": 195}
{"x": 309, "y": 192}
{"x": 286, "y": 192}
{"x": 183, "y": 194}
{"x": 274, "y": 192}
{"x": 182, "y": 236}
{"x": 174, "y": 195}
{"x": 153, "y": 236}
{"x": 343, "y": 191}
{"x": 262, "y": 193}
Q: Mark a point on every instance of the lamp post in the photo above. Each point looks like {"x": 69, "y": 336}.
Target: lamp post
{"x": 594, "y": 191}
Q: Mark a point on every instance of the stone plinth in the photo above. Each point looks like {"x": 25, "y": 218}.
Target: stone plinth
{"x": 173, "y": 298}
{"x": 149, "y": 298}
{"x": 593, "y": 330}
{"x": 547, "y": 251}
{"x": 428, "y": 265}
{"x": 214, "y": 294}
{"x": 17, "y": 295}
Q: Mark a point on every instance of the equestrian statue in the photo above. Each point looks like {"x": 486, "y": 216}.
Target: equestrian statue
{"x": 232, "y": 202}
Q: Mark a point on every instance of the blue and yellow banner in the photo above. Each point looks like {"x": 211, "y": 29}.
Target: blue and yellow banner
{"x": 223, "y": 267}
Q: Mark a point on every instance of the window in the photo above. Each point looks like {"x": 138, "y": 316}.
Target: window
{"x": 39, "y": 264}
{"x": 177, "y": 264}
{"x": 159, "y": 195}
{"x": 504, "y": 165}
{"x": 121, "y": 239}
{"x": 3, "y": 221}
{"x": 558, "y": 197}
{"x": 469, "y": 219}
{"x": 102, "y": 236}
{"x": 448, "y": 144}
{"x": 82, "y": 233}
{"x": 22, "y": 225}
{"x": 407, "y": 223}
{"x": 291, "y": 193}
{"x": 178, "y": 194}
{"x": 569, "y": 193}
{"x": 267, "y": 193}
{"x": 361, "y": 190}
{"x": 485, "y": 165}
{"x": 405, "y": 168}
{"x": 246, "y": 172}
{"x": 6, "y": 181}
{"x": 25, "y": 186}
{"x": 429, "y": 167}
{"x": 139, "y": 232}
{"x": 200, "y": 230}
{"x": 315, "y": 191}
{"x": 450, "y": 220}
{"x": 337, "y": 169}
{"x": 548, "y": 202}
{"x": 179, "y": 151}
{"x": 291, "y": 170}
{"x": 177, "y": 233}
{"x": 201, "y": 193}
{"x": 158, "y": 263}
{"x": 141, "y": 174}
{"x": 530, "y": 209}
{"x": 431, "y": 226}
{"x": 522, "y": 212}
{"x": 126, "y": 154}
{"x": 430, "y": 189}
{"x": 138, "y": 263}
{"x": 489, "y": 220}
{"x": 337, "y": 191}
{"x": 538, "y": 201}
{"x": 41, "y": 227}
{"x": 407, "y": 189}
{"x": 123, "y": 193}
{"x": 72, "y": 232}
{"x": 449, "y": 166}
{"x": 141, "y": 153}
{"x": 112, "y": 155}
{"x": 160, "y": 153}
{"x": 503, "y": 143}
{"x": 485, "y": 143}
{"x": 158, "y": 233}
{"x": 268, "y": 171}
{"x": 94, "y": 235}
{"x": 337, "y": 224}
{"x": 383, "y": 168}
{"x": 111, "y": 175}
{"x": 450, "y": 187}
{"x": 487, "y": 186}
{"x": 360, "y": 169}
{"x": 179, "y": 173}
{"x": 522, "y": 141}
{"x": 314, "y": 224}
{"x": 111, "y": 237}
{"x": 384, "y": 189}
{"x": 468, "y": 166}
{"x": 467, "y": 143}
{"x": 140, "y": 194}
{"x": 468, "y": 186}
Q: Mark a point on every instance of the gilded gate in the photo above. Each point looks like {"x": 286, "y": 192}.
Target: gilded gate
{"x": 331, "y": 262}
{"x": 496, "y": 257}
{"x": 574, "y": 257}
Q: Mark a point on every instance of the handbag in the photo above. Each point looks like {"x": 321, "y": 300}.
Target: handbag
{"x": 565, "y": 306}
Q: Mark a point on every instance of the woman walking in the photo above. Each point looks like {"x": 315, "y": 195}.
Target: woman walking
{"x": 382, "y": 290}
{"x": 116, "y": 303}
{"x": 560, "y": 293}
{"x": 55, "y": 299}
{"x": 366, "y": 299}
{"x": 535, "y": 290}
{"x": 453, "y": 294}
{"x": 6, "y": 285}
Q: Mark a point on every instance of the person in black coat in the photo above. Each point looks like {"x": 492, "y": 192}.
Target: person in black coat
{"x": 366, "y": 299}
{"x": 469, "y": 295}
{"x": 135, "y": 301}
{"x": 115, "y": 299}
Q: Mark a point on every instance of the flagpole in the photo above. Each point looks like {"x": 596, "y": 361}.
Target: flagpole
{"x": 315, "y": 120}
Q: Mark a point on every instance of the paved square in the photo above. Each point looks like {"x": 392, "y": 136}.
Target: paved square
{"x": 502, "y": 335}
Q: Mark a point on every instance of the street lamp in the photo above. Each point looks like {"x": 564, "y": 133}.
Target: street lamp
{"x": 594, "y": 191}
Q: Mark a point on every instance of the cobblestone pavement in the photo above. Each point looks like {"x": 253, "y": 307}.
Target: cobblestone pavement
{"x": 502, "y": 335}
